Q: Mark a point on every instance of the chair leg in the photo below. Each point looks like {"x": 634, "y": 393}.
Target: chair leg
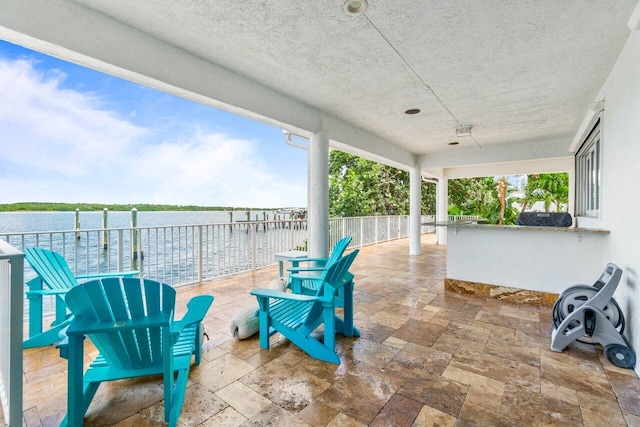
{"x": 75, "y": 412}
{"x": 198, "y": 344}
{"x": 178, "y": 397}
{"x": 329, "y": 328}
{"x": 61, "y": 310}
{"x": 313, "y": 348}
{"x": 35, "y": 307}
{"x": 264, "y": 329}
{"x": 168, "y": 380}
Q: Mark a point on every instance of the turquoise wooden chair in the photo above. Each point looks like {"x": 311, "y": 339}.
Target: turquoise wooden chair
{"x": 130, "y": 321}
{"x": 297, "y": 316}
{"x": 307, "y": 279}
{"x": 54, "y": 279}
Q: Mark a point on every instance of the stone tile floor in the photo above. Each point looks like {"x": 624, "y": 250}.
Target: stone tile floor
{"x": 426, "y": 358}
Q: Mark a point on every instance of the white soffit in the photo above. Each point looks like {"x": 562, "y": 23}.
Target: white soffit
{"x": 517, "y": 71}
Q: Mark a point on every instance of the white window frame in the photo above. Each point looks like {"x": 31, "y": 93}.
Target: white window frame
{"x": 589, "y": 173}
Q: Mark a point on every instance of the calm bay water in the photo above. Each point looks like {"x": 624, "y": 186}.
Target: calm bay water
{"x": 23, "y": 222}
{"x": 174, "y": 247}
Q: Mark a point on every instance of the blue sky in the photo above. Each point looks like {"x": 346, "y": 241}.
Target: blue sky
{"x": 71, "y": 134}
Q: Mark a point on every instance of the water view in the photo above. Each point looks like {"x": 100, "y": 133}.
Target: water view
{"x": 175, "y": 247}
{"x": 22, "y": 222}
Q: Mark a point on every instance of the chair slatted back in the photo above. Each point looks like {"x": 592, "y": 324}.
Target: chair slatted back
{"x": 338, "y": 274}
{"x": 336, "y": 277}
{"x": 51, "y": 267}
{"x": 338, "y": 249}
{"x": 114, "y": 301}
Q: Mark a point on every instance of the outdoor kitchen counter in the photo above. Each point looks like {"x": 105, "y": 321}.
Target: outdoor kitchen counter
{"x": 540, "y": 259}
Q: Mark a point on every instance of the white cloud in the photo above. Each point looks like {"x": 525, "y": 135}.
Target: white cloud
{"x": 62, "y": 145}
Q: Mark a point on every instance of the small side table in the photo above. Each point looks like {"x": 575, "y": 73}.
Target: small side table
{"x": 286, "y": 256}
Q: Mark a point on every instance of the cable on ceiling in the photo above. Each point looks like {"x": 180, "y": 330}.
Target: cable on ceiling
{"x": 426, "y": 86}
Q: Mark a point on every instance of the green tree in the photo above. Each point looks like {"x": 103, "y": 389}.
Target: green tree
{"x": 480, "y": 196}
{"x": 360, "y": 187}
{"x": 548, "y": 188}
{"x": 470, "y": 196}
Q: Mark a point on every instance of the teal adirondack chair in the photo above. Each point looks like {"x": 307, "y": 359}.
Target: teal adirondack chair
{"x": 308, "y": 279}
{"x": 130, "y": 321}
{"x": 54, "y": 278}
{"x": 297, "y": 316}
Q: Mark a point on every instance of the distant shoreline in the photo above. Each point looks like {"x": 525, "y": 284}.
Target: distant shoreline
{"x": 84, "y": 207}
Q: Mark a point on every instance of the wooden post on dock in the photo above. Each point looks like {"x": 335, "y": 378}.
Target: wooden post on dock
{"x": 77, "y": 224}
{"x": 105, "y": 233}
{"x": 264, "y": 219}
{"x": 134, "y": 235}
{"x": 231, "y": 221}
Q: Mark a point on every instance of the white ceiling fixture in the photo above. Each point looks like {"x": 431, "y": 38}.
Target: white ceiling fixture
{"x": 463, "y": 130}
{"x": 355, "y": 7}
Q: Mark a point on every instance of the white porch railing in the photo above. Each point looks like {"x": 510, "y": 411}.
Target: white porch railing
{"x": 11, "y": 301}
{"x": 187, "y": 254}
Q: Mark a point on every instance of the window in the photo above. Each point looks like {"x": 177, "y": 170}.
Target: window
{"x": 589, "y": 173}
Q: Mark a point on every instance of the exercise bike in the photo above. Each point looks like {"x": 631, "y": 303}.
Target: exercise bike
{"x": 592, "y": 312}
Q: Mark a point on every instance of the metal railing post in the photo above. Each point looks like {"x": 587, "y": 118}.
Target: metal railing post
{"x": 375, "y": 224}
{"x": 200, "y": 251}
{"x": 120, "y": 254}
{"x": 253, "y": 243}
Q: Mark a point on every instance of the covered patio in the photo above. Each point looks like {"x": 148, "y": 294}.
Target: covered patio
{"x": 426, "y": 357}
{"x": 497, "y": 88}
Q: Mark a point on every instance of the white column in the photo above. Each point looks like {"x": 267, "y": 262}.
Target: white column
{"x": 318, "y": 201}
{"x": 415, "y": 202}
{"x": 442, "y": 207}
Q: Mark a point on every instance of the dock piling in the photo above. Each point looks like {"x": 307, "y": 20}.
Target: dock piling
{"x": 105, "y": 233}
{"x": 135, "y": 235}
{"x": 77, "y": 224}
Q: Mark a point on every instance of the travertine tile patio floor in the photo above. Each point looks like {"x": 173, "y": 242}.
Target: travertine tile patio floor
{"x": 426, "y": 357}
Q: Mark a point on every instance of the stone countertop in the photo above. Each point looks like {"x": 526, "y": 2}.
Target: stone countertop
{"x": 476, "y": 225}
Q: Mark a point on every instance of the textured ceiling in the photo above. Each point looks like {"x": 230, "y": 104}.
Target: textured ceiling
{"x": 518, "y": 71}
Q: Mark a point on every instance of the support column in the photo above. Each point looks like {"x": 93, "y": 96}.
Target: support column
{"x": 442, "y": 208}
{"x": 415, "y": 203}
{"x": 318, "y": 199}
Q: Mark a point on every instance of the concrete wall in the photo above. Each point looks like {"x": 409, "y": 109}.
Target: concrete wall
{"x": 537, "y": 260}
{"x": 620, "y": 210}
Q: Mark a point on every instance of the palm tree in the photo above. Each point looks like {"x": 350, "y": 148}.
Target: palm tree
{"x": 547, "y": 188}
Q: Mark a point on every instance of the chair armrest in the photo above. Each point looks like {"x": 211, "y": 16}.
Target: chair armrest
{"x": 305, "y": 277}
{"x": 110, "y": 274}
{"x": 82, "y": 325}
{"x": 273, "y": 293}
{"x": 197, "y": 308}
{"x": 292, "y": 260}
{"x": 299, "y": 269}
{"x": 47, "y": 292}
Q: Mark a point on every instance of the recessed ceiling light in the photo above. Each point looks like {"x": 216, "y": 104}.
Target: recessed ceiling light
{"x": 454, "y": 143}
{"x": 355, "y": 7}
{"x": 412, "y": 111}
